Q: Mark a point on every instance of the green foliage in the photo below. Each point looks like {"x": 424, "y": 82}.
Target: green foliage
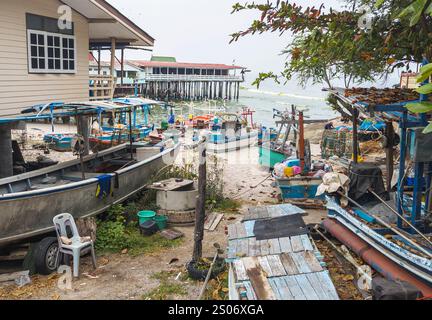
{"x": 228, "y": 205}
{"x": 420, "y": 107}
{"x": 111, "y": 236}
{"x": 115, "y": 237}
{"x": 423, "y": 106}
{"x": 329, "y": 45}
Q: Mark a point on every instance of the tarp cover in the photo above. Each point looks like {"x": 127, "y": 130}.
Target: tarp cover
{"x": 281, "y": 227}
{"x": 366, "y": 176}
{"x": 383, "y": 289}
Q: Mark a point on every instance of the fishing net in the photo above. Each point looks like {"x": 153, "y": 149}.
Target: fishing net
{"x": 336, "y": 143}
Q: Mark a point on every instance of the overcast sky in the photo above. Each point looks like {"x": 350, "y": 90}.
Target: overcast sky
{"x": 198, "y": 31}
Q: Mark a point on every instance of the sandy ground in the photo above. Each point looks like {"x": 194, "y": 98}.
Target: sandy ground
{"x": 121, "y": 276}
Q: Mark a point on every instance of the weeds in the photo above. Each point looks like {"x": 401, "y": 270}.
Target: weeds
{"x": 167, "y": 289}
{"x": 119, "y": 231}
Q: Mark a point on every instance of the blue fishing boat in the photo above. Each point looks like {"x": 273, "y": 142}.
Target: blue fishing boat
{"x": 59, "y": 141}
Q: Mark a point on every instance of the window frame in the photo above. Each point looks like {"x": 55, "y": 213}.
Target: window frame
{"x": 46, "y": 34}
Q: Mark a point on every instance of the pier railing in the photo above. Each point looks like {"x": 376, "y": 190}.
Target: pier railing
{"x": 101, "y": 87}
{"x": 191, "y": 77}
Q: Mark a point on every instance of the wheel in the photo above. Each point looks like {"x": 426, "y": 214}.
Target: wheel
{"x": 45, "y": 256}
{"x": 200, "y": 275}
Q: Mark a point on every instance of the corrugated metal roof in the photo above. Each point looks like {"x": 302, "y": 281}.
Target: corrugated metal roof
{"x": 153, "y": 64}
{"x": 163, "y": 59}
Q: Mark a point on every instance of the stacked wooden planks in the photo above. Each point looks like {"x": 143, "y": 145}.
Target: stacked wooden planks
{"x": 276, "y": 269}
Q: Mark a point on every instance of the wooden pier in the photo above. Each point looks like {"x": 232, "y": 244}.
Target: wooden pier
{"x": 286, "y": 268}
{"x": 189, "y": 81}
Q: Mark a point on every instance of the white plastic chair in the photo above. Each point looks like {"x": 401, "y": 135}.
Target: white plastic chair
{"x": 65, "y": 223}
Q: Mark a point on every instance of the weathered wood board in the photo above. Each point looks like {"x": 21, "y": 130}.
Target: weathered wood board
{"x": 213, "y": 221}
{"x": 259, "y": 213}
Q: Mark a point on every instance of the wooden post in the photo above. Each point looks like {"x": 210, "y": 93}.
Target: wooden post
{"x": 113, "y": 49}
{"x": 99, "y": 61}
{"x": 201, "y": 202}
{"x": 390, "y": 135}
{"x": 84, "y": 130}
{"x": 301, "y": 141}
{"x": 122, "y": 66}
{"x": 130, "y": 135}
{"x": 6, "y": 158}
{"x": 355, "y": 135}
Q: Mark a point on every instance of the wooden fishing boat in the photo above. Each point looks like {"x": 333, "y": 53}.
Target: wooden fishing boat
{"x": 417, "y": 264}
{"x": 116, "y": 136}
{"x": 266, "y": 135}
{"x": 61, "y": 142}
{"x": 219, "y": 143}
{"x": 28, "y": 202}
{"x": 270, "y": 155}
{"x": 230, "y": 135}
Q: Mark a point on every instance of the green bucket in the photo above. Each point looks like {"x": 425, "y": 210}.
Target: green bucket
{"x": 161, "y": 221}
{"x": 144, "y": 216}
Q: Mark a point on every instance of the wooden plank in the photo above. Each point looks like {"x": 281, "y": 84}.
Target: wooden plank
{"x": 254, "y": 250}
{"x": 300, "y": 262}
{"x": 318, "y": 287}
{"x": 249, "y": 226}
{"x": 265, "y": 265}
{"x": 240, "y": 270}
{"x": 232, "y": 249}
{"x": 274, "y": 286}
{"x": 262, "y": 288}
{"x": 276, "y": 266}
{"x": 328, "y": 285}
{"x": 312, "y": 262}
{"x": 216, "y": 222}
{"x": 306, "y": 287}
{"x": 243, "y": 248}
{"x": 289, "y": 264}
{"x": 264, "y": 247}
{"x": 285, "y": 245}
{"x": 12, "y": 276}
{"x": 209, "y": 221}
{"x": 307, "y": 244}
{"x": 294, "y": 288}
{"x": 283, "y": 290}
{"x": 274, "y": 246}
{"x": 290, "y": 209}
{"x": 296, "y": 244}
{"x": 275, "y": 212}
{"x": 170, "y": 184}
{"x": 232, "y": 232}
{"x": 241, "y": 231}
{"x": 250, "y": 291}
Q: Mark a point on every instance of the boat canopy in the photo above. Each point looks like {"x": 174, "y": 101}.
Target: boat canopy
{"x": 60, "y": 109}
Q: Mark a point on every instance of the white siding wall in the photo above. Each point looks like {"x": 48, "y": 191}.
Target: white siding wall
{"x": 18, "y": 88}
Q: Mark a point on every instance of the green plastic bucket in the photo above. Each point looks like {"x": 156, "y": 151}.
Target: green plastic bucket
{"x": 161, "y": 221}
{"x": 144, "y": 216}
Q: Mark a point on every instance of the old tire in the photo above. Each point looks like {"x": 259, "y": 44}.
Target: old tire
{"x": 45, "y": 256}
{"x": 200, "y": 275}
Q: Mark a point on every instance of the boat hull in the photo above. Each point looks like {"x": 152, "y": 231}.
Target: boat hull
{"x": 269, "y": 158}
{"x": 233, "y": 144}
{"x": 28, "y": 214}
{"x": 299, "y": 188}
{"x": 418, "y": 266}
